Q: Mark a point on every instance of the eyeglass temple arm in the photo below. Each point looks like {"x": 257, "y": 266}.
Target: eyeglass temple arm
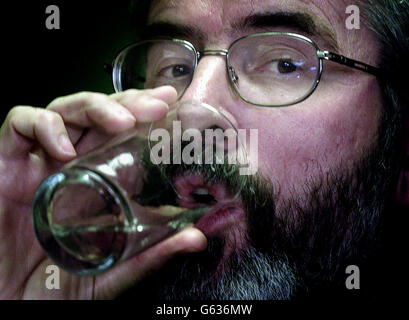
{"x": 330, "y": 56}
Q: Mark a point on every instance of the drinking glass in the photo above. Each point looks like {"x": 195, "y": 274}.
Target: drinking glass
{"x": 121, "y": 198}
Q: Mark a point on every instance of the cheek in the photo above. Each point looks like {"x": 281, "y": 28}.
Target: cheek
{"x": 320, "y": 135}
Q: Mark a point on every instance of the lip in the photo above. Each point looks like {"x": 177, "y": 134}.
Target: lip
{"x": 219, "y": 220}
{"x": 226, "y": 212}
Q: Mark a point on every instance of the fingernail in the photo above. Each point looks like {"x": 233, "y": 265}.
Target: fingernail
{"x": 197, "y": 242}
{"x": 152, "y": 109}
{"x": 167, "y": 93}
{"x": 157, "y": 103}
{"x": 66, "y": 145}
{"x": 161, "y": 88}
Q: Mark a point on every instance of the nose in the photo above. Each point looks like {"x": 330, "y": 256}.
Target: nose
{"x": 194, "y": 114}
{"x": 214, "y": 129}
{"x": 210, "y": 86}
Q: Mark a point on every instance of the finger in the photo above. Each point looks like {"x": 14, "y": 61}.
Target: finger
{"x": 89, "y": 109}
{"x": 147, "y": 105}
{"x": 117, "y": 112}
{"x": 25, "y": 126}
{"x": 125, "y": 275}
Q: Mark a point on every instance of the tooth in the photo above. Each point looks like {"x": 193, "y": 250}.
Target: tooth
{"x": 201, "y": 191}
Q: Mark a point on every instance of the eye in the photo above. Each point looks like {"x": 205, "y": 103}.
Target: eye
{"x": 179, "y": 71}
{"x": 285, "y": 66}
{"x": 279, "y": 67}
{"x": 175, "y": 71}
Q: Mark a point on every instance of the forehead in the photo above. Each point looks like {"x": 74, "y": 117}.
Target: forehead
{"x": 217, "y": 17}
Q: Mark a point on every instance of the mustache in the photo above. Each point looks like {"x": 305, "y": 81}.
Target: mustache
{"x": 158, "y": 188}
{"x": 256, "y": 193}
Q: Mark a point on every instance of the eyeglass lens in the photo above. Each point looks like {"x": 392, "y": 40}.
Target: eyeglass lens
{"x": 268, "y": 69}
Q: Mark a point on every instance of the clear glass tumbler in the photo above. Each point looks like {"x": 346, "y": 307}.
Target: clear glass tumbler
{"x": 120, "y": 199}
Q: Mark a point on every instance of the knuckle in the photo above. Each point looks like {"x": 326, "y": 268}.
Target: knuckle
{"x": 54, "y": 103}
{"x": 15, "y": 114}
{"x": 132, "y": 94}
{"x": 91, "y": 98}
{"x": 87, "y": 96}
{"x": 48, "y": 117}
{"x": 83, "y": 98}
{"x": 16, "y": 111}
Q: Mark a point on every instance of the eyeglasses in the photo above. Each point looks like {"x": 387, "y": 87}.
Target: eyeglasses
{"x": 270, "y": 69}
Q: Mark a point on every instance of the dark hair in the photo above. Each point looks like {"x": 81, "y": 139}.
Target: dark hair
{"x": 389, "y": 20}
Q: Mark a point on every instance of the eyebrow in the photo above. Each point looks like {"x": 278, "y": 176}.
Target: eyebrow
{"x": 167, "y": 29}
{"x": 297, "y": 21}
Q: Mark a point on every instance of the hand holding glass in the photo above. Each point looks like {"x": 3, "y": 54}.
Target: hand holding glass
{"x": 120, "y": 199}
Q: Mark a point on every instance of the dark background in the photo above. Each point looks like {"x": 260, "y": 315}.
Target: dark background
{"x": 39, "y": 65}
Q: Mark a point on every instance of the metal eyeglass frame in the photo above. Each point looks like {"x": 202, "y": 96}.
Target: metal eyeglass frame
{"x": 321, "y": 55}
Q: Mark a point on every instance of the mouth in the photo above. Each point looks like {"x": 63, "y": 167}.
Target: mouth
{"x": 226, "y": 210}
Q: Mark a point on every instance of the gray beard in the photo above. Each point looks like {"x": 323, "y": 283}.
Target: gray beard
{"x": 302, "y": 249}
{"x": 248, "y": 275}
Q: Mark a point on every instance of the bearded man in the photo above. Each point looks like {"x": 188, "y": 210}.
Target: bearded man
{"x": 332, "y": 179}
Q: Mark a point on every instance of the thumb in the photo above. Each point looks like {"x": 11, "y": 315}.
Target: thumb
{"x": 123, "y": 276}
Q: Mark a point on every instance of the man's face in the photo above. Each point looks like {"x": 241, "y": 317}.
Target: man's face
{"x": 328, "y": 131}
{"x": 308, "y": 151}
